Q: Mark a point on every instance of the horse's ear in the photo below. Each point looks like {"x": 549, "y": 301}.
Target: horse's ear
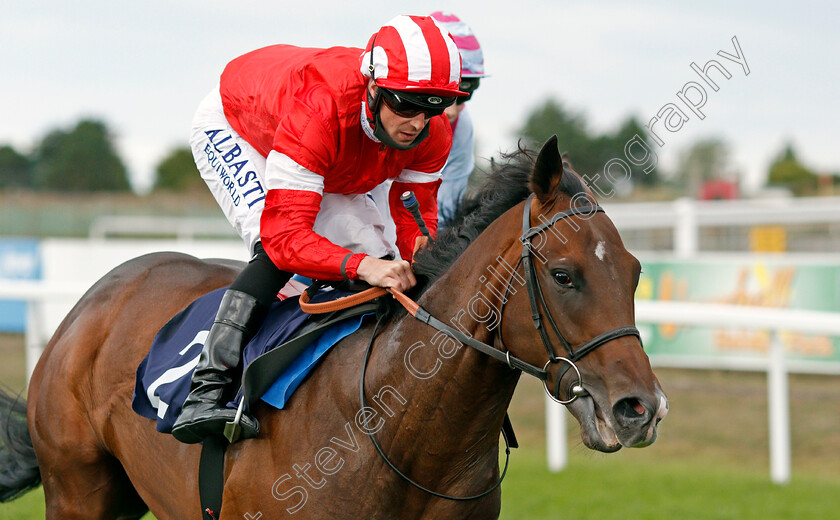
{"x": 547, "y": 170}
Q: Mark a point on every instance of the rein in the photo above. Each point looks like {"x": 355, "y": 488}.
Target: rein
{"x": 391, "y": 464}
{"x": 341, "y": 303}
{"x": 539, "y": 307}
{"x": 423, "y": 315}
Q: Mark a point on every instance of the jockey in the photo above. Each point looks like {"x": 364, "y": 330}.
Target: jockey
{"x": 289, "y": 144}
{"x": 461, "y": 160}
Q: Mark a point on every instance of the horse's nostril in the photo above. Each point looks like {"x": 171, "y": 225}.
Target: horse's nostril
{"x": 629, "y": 408}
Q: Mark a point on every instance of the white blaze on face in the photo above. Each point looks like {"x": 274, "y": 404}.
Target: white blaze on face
{"x": 600, "y": 250}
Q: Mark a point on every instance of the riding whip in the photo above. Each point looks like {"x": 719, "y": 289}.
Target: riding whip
{"x": 410, "y": 202}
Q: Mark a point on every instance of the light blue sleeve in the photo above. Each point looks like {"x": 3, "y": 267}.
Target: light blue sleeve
{"x": 458, "y": 167}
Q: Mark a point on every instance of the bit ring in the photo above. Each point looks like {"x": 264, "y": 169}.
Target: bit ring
{"x": 577, "y": 390}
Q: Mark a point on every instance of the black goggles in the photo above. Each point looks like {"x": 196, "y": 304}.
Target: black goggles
{"x": 468, "y": 85}
{"x": 403, "y": 106}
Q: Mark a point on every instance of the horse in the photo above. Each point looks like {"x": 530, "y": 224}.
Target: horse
{"x": 433, "y": 405}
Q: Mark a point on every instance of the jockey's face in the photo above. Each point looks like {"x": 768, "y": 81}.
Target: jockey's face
{"x": 403, "y": 130}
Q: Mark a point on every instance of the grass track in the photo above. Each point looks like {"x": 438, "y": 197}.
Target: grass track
{"x": 622, "y": 489}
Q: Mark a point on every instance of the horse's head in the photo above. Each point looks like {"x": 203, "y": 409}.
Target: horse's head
{"x": 578, "y": 310}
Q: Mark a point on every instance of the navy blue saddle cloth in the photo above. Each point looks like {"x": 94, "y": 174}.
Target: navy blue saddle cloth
{"x": 162, "y": 381}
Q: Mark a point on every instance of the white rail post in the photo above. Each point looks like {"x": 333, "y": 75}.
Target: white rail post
{"x": 686, "y": 240}
{"x": 778, "y": 412}
{"x": 555, "y": 436}
{"x": 34, "y": 335}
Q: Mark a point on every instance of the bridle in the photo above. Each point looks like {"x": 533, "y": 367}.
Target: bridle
{"x": 538, "y": 308}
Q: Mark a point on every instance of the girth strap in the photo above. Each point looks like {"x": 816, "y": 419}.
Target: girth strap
{"x": 211, "y": 476}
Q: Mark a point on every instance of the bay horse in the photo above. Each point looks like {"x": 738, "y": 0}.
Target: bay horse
{"x": 434, "y": 407}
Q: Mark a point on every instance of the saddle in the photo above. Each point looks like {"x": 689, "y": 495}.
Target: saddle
{"x": 263, "y": 371}
{"x": 287, "y": 347}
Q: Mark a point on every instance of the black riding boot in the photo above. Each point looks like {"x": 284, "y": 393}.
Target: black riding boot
{"x": 240, "y": 316}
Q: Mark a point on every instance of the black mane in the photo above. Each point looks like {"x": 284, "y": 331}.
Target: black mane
{"x": 504, "y": 187}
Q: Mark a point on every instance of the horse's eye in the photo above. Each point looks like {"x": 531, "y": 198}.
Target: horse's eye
{"x": 562, "y": 278}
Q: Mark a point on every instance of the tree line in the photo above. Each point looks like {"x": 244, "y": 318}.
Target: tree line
{"x": 84, "y": 158}
{"x": 705, "y": 161}
{"x": 80, "y": 159}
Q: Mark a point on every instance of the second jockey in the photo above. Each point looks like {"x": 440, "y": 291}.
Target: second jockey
{"x": 289, "y": 143}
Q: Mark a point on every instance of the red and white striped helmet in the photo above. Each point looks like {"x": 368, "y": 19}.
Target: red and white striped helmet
{"x": 413, "y": 54}
{"x": 472, "y": 59}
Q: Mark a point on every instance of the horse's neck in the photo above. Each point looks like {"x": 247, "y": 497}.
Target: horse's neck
{"x": 456, "y": 397}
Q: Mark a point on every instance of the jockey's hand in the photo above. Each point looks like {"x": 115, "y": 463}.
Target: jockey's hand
{"x": 420, "y": 242}
{"x": 386, "y": 273}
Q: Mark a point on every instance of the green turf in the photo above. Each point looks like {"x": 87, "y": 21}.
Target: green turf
{"x": 608, "y": 487}
{"x": 28, "y": 507}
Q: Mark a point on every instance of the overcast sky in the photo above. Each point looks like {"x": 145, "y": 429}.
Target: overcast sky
{"x": 142, "y": 67}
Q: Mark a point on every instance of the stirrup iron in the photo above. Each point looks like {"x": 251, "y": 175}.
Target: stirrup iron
{"x": 233, "y": 430}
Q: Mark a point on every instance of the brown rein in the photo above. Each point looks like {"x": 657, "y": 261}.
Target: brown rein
{"x": 421, "y": 314}
{"x": 356, "y": 299}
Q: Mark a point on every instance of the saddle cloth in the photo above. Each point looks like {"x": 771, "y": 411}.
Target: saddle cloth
{"x": 162, "y": 381}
